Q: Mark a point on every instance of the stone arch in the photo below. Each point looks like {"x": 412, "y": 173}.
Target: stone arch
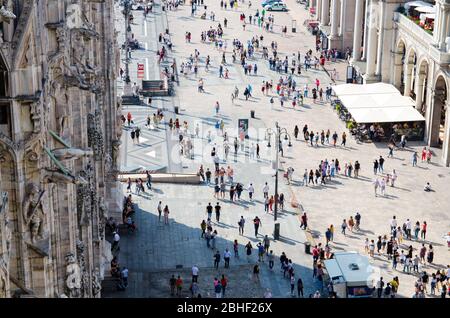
{"x": 439, "y": 113}
{"x": 400, "y": 52}
{"x": 409, "y": 68}
{"x": 4, "y": 76}
{"x": 421, "y": 83}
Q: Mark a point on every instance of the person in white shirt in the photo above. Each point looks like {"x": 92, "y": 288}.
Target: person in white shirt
{"x": 427, "y": 187}
{"x": 116, "y": 241}
{"x": 194, "y": 273}
{"x": 125, "y": 276}
{"x": 393, "y": 223}
{"x": 226, "y": 257}
{"x": 266, "y": 190}
{"x": 251, "y": 190}
{"x": 383, "y": 186}
{"x": 408, "y": 228}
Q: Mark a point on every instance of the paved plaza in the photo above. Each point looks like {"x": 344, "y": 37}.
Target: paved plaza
{"x": 154, "y": 251}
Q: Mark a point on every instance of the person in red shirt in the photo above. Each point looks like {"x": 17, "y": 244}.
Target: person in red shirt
{"x": 224, "y": 283}
{"x": 129, "y": 118}
{"x": 179, "y": 285}
{"x": 304, "y": 223}
{"x": 424, "y": 230}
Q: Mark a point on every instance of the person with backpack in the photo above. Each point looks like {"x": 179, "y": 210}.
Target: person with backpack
{"x": 241, "y": 224}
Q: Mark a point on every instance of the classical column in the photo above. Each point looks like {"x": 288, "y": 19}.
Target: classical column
{"x": 419, "y": 90}
{"x": 342, "y": 18}
{"x": 358, "y": 30}
{"x": 325, "y": 12}
{"x": 381, "y": 26}
{"x": 319, "y": 10}
{"x": 366, "y": 29}
{"x": 446, "y": 144}
{"x": 441, "y": 24}
{"x": 371, "y": 42}
{"x": 408, "y": 71}
{"x": 334, "y": 19}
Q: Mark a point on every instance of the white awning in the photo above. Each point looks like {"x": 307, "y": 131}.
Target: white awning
{"x": 426, "y": 9}
{"x": 377, "y": 103}
{"x": 417, "y": 4}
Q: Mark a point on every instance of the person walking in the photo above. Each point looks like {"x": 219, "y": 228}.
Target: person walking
{"x": 250, "y": 190}
{"x": 414, "y": 158}
{"x": 271, "y": 258}
{"x": 335, "y": 137}
{"x": 343, "y": 226}
{"x": 380, "y": 286}
{"x": 257, "y": 223}
{"x": 292, "y": 285}
{"x": 209, "y": 210}
{"x": 224, "y": 283}
{"x": 266, "y": 190}
{"x": 249, "y": 249}
{"x": 380, "y": 164}
{"x": 216, "y": 259}
{"x": 166, "y": 215}
{"x": 299, "y": 287}
{"x": 226, "y": 258}
{"x": 195, "y": 271}
{"x": 241, "y": 224}
{"x": 344, "y": 139}
{"x": 256, "y": 273}
{"x": 203, "y": 227}
{"x": 217, "y": 209}
{"x": 159, "y": 210}
{"x": 179, "y": 285}
{"x": 172, "y": 284}
{"x": 266, "y": 243}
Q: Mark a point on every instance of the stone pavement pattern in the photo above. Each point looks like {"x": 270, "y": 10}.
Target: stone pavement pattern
{"x": 155, "y": 246}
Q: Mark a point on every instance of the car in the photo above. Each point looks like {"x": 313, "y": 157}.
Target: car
{"x": 267, "y": 2}
{"x": 277, "y": 6}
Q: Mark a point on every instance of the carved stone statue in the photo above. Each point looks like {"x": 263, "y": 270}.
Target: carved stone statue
{"x": 71, "y": 153}
{"x": 73, "y": 277}
{"x": 55, "y": 176}
{"x": 35, "y": 111}
{"x": 6, "y": 14}
{"x": 2, "y": 286}
{"x": 96, "y": 286}
{"x": 34, "y": 211}
{"x": 116, "y": 152}
{"x": 60, "y": 100}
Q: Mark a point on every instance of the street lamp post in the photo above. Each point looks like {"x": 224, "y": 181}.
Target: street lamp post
{"x": 278, "y": 132}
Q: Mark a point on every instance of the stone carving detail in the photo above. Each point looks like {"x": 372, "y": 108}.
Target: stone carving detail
{"x": 83, "y": 270}
{"x": 56, "y": 176}
{"x": 61, "y": 35}
{"x": 115, "y": 153}
{"x": 95, "y": 135}
{"x": 102, "y": 217}
{"x": 2, "y": 286}
{"x": 71, "y": 153}
{"x": 73, "y": 277}
{"x": 34, "y": 211}
{"x": 96, "y": 287}
{"x": 6, "y": 14}
{"x": 8, "y": 233}
{"x": 60, "y": 100}
{"x": 36, "y": 116}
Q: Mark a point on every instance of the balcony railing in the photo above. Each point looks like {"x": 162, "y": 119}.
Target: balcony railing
{"x": 414, "y": 28}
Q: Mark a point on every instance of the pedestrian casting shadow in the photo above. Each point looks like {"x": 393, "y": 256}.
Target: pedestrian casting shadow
{"x": 289, "y": 241}
{"x": 340, "y": 244}
{"x": 367, "y": 232}
{"x": 158, "y": 191}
